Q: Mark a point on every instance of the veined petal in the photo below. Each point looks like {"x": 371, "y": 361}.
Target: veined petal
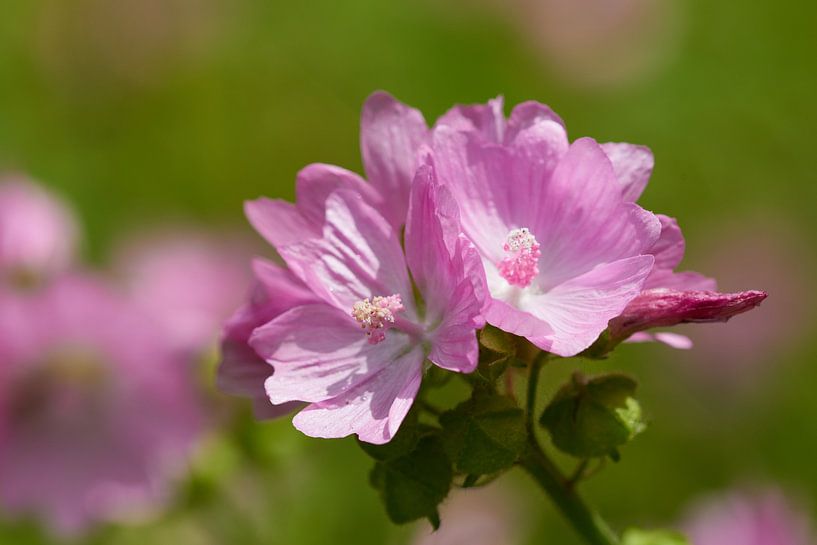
{"x": 579, "y": 310}
{"x": 633, "y": 166}
{"x": 373, "y": 409}
{"x": 527, "y": 114}
{"x": 670, "y": 246}
{"x": 441, "y": 263}
{"x": 357, "y": 256}
{"x": 390, "y": 135}
{"x": 319, "y": 353}
{"x": 477, "y": 175}
{"x": 487, "y": 121}
{"x": 242, "y": 371}
{"x": 316, "y": 182}
{"x": 279, "y": 221}
{"x": 582, "y": 220}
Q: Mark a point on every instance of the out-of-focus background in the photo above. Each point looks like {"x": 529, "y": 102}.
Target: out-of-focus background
{"x": 144, "y": 115}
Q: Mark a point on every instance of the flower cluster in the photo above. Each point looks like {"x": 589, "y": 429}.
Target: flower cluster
{"x": 477, "y": 219}
{"x": 99, "y": 409}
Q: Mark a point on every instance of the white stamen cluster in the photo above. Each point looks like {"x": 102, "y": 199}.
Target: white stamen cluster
{"x": 375, "y": 315}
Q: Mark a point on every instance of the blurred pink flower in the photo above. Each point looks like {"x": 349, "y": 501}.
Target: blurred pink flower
{"x": 593, "y": 43}
{"x": 188, "y": 281}
{"x": 523, "y": 190}
{"x": 96, "y": 412}
{"x": 743, "y": 518}
{"x": 478, "y": 516}
{"x": 357, "y": 356}
{"x": 38, "y": 233}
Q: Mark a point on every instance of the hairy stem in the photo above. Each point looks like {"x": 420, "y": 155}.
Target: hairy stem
{"x": 587, "y": 523}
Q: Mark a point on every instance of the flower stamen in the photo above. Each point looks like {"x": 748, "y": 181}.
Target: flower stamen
{"x": 520, "y": 266}
{"x": 375, "y": 315}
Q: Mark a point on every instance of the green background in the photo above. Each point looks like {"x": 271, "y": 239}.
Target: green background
{"x": 146, "y": 112}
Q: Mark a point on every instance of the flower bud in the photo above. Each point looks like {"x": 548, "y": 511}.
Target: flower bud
{"x": 593, "y": 417}
{"x": 663, "y": 308}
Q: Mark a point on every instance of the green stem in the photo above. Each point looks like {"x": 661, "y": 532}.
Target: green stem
{"x": 584, "y": 520}
{"x": 533, "y": 384}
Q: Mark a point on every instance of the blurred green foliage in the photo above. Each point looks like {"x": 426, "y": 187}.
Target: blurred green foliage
{"x": 208, "y": 103}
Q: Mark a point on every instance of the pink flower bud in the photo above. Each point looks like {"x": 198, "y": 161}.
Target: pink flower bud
{"x": 664, "y": 307}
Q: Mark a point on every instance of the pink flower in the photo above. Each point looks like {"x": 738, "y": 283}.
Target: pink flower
{"x": 767, "y": 518}
{"x": 357, "y": 355}
{"x": 96, "y": 413}
{"x": 563, "y": 247}
{"x": 38, "y": 234}
{"x": 186, "y": 280}
{"x": 518, "y": 175}
{"x": 242, "y": 371}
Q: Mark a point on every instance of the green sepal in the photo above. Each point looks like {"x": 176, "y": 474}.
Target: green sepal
{"x": 497, "y": 341}
{"x": 413, "y": 485}
{"x": 497, "y": 351}
{"x": 592, "y": 418}
{"x": 634, "y": 536}
{"x": 600, "y": 347}
{"x": 485, "y": 434}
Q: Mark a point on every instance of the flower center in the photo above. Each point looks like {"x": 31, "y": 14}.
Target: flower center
{"x": 375, "y": 315}
{"x": 520, "y": 265}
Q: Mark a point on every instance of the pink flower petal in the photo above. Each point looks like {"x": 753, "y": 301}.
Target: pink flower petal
{"x": 486, "y": 120}
{"x": 579, "y": 310}
{"x": 440, "y": 263}
{"x": 373, "y": 409}
{"x": 390, "y": 135}
{"x": 581, "y": 220}
{"x": 633, "y": 166}
{"x": 357, "y": 256}
{"x": 317, "y": 181}
{"x": 474, "y": 174}
{"x": 279, "y": 221}
{"x": 319, "y": 352}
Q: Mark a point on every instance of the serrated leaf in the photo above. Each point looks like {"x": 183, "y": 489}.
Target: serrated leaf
{"x": 413, "y": 485}
{"x": 484, "y": 434}
{"x": 634, "y": 536}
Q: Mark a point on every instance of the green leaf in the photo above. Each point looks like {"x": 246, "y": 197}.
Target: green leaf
{"x": 413, "y": 485}
{"x": 484, "y": 434}
{"x": 634, "y": 536}
{"x": 497, "y": 341}
{"x": 592, "y": 418}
